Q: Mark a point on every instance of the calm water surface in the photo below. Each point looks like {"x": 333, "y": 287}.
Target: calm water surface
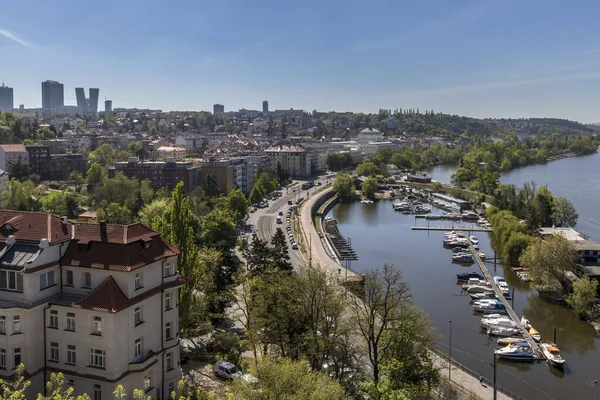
{"x": 380, "y": 235}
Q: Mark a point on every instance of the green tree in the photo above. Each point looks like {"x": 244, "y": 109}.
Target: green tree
{"x": 369, "y": 187}
{"x": 367, "y": 168}
{"x": 146, "y": 193}
{"x": 343, "y": 186}
{"x": 547, "y": 261}
{"x": 564, "y": 213}
{"x": 210, "y": 186}
{"x": 156, "y": 210}
{"x": 104, "y": 155}
{"x": 237, "y": 203}
{"x": 96, "y": 175}
{"x": 134, "y": 146}
{"x": 114, "y": 213}
{"x": 279, "y": 252}
{"x": 20, "y": 196}
{"x": 18, "y": 169}
{"x": 61, "y": 203}
{"x": 76, "y": 179}
{"x": 583, "y": 297}
{"x": 219, "y": 229}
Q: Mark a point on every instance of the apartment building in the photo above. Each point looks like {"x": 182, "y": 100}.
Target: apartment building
{"x": 11, "y": 153}
{"x": 39, "y": 160}
{"x": 97, "y": 302}
{"x": 291, "y": 158}
{"x": 170, "y": 151}
{"x": 161, "y": 174}
{"x": 230, "y": 173}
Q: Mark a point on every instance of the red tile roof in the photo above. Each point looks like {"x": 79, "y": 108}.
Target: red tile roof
{"x": 19, "y": 148}
{"x": 108, "y": 296}
{"x": 34, "y": 226}
{"x": 123, "y": 234}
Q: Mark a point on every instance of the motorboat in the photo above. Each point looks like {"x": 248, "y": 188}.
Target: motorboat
{"x": 502, "y": 331}
{"x": 483, "y": 295}
{"x": 525, "y": 323}
{"x": 462, "y": 257}
{"x": 474, "y": 239}
{"x": 421, "y": 209}
{"x": 479, "y": 289}
{"x": 474, "y": 281}
{"x": 484, "y": 302}
{"x": 366, "y": 201}
{"x": 516, "y": 352}
{"x": 498, "y": 279}
{"x": 465, "y": 276}
{"x": 505, "y": 341}
{"x": 482, "y": 256}
{"x": 504, "y": 322}
{"x": 488, "y": 307}
{"x": 401, "y": 206}
{"x": 535, "y": 335}
{"x": 552, "y": 354}
{"x": 491, "y": 316}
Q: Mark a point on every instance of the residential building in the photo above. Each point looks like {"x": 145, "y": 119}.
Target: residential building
{"x": 162, "y": 174}
{"x": 292, "y": 159}
{"x": 218, "y": 109}
{"x": 11, "y": 153}
{"x": 588, "y": 249}
{"x": 169, "y": 151}
{"x": 4, "y": 178}
{"x": 370, "y": 149}
{"x": 96, "y": 302}
{"x": 193, "y": 142}
{"x": 6, "y": 98}
{"x": 61, "y": 146}
{"x": 39, "y": 160}
{"x": 53, "y": 94}
{"x": 232, "y": 173}
{"x": 61, "y": 166}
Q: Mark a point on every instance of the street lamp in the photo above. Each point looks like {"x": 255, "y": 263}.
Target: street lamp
{"x": 450, "y": 353}
{"x": 309, "y": 250}
{"x": 595, "y": 390}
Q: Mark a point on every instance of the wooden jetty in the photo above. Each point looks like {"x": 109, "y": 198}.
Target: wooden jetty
{"x": 511, "y": 313}
{"x": 450, "y": 228}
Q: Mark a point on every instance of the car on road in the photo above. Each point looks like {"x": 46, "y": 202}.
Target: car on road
{"x": 184, "y": 356}
{"x": 294, "y": 246}
{"x": 226, "y": 370}
{"x": 278, "y": 219}
{"x": 280, "y": 212}
{"x": 290, "y": 202}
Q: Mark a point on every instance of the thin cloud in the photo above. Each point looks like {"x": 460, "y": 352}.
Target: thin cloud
{"x": 502, "y": 84}
{"x": 16, "y": 39}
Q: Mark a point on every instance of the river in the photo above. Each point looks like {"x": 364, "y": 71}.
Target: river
{"x": 380, "y": 235}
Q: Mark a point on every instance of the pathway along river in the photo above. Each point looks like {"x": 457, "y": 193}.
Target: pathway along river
{"x": 380, "y": 235}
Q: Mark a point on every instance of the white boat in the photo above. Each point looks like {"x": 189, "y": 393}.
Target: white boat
{"x": 485, "y": 302}
{"x": 502, "y": 322}
{"x": 474, "y": 281}
{"x": 462, "y": 257}
{"x": 491, "y": 316}
{"x": 489, "y": 308}
{"x": 525, "y": 323}
{"x": 502, "y": 331}
{"x": 517, "y": 352}
{"x": 474, "y": 239}
{"x": 366, "y": 201}
{"x": 552, "y": 354}
{"x": 401, "y": 206}
{"x": 535, "y": 335}
{"x": 505, "y": 341}
{"x": 483, "y": 295}
{"x": 479, "y": 289}
{"x": 482, "y": 256}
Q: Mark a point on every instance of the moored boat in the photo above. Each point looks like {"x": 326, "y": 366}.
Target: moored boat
{"x": 516, "y": 352}
{"x": 483, "y": 295}
{"x": 505, "y": 341}
{"x": 465, "y": 276}
{"x": 504, "y": 322}
{"x": 474, "y": 239}
{"x": 552, "y": 354}
{"x": 535, "y": 335}
{"x": 489, "y": 308}
{"x": 502, "y": 331}
{"x": 462, "y": 258}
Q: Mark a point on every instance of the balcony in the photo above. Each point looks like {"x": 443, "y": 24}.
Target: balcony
{"x": 143, "y": 362}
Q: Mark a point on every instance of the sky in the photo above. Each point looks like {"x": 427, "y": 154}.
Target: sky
{"x": 480, "y": 58}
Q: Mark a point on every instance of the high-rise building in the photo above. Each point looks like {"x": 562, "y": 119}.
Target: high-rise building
{"x": 265, "y": 106}
{"x": 107, "y": 108}
{"x": 53, "y": 94}
{"x": 6, "y": 98}
{"x": 87, "y": 105}
{"x": 218, "y": 109}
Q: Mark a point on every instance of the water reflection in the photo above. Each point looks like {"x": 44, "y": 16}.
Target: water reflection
{"x": 522, "y": 366}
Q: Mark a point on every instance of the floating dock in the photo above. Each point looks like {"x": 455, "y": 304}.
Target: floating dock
{"x": 511, "y": 313}
{"x": 340, "y": 245}
{"x": 450, "y": 228}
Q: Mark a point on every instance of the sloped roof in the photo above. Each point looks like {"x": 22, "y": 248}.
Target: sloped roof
{"x": 122, "y": 234}
{"x": 33, "y": 226}
{"x": 17, "y": 148}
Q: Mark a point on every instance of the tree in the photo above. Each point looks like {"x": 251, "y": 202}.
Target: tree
{"x": 583, "y": 297}
{"x": 547, "y": 261}
{"x": 369, "y": 187}
{"x": 61, "y": 203}
{"x": 76, "y": 179}
{"x": 564, "y": 213}
{"x": 237, "y": 203}
{"x": 114, "y": 213}
{"x": 18, "y": 169}
{"x": 543, "y": 202}
{"x": 158, "y": 209}
{"x": 95, "y": 175}
{"x": 210, "y": 185}
{"x": 343, "y": 186}
{"x": 215, "y": 282}
{"x": 367, "y": 168}
{"x": 288, "y": 379}
{"x": 134, "y": 147}
{"x": 279, "y": 252}
{"x": 146, "y": 193}
{"x": 104, "y": 155}
{"x": 258, "y": 257}
{"x": 378, "y": 310}
{"x": 20, "y": 196}
{"x": 218, "y": 229}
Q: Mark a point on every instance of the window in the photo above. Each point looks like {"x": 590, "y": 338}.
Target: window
{"x": 97, "y": 392}
{"x": 147, "y": 382}
{"x": 169, "y": 361}
{"x": 137, "y": 316}
{"x": 11, "y": 280}
{"x": 97, "y": 326}
{"x": 86, "y": 280}
{"x": 168, "y": 329}
{"x": 168, "y": 301}
{"x": 69, "y": 278}
{"x": 2, "y": 358}
{"x": 54, "y": 351}
{"x": 70, "y": 322}
{"x": 2, "y": 325}
{"x": 17, "y": 354}
{"x": 97, "y": 358}
{"x": 137, "y": 348}
{"x": 53, "y": 319}
{"x": 46, "y": 279}
{"x": 70, "y": 382}
{"x": 138, "y": 281}
{"x": 16, "y": 324}
{"x": 167, "y": 269}
{"x": 71, "y": 354}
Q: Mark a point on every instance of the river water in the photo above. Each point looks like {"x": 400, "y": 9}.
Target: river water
{"x": 380, "y": 235}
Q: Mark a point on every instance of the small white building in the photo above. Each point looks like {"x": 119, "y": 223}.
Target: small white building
{"x": 370, "y": 149}
{"x": 171, "y": 152}
{"x": 11, "y": 153}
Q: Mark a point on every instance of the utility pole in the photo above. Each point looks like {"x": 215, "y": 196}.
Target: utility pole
{"x": 450, "y": 353}
{"x": 495, "y": 394}
{"x": 595, "y": 390}
{"x": 309, "y": 250}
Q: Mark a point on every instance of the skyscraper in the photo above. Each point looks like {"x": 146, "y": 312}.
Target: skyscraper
{"x": 265, "y": 106}
{"x": 6, "y": 98}
{"x": 53, "y": 94}
{"x": 218, "y": 109}
{"x": 87, "y": 105}
{"x": 107, "y": 108}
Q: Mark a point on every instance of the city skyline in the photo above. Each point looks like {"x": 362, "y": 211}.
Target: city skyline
{"x": 475, "y": 58}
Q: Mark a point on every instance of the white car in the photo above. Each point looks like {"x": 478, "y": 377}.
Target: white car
{"x": 226, "y": 370}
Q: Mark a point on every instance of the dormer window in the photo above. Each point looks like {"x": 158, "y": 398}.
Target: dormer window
{"x": 147, "y": 244}
{"x": 8, "y": 227}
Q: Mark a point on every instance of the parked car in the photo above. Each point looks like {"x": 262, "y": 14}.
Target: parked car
{"x": 184, "y": 356}
{"x": 290, "y": 202}
{"x": 280, "y": 212}
{"x": 226, "y": 370}
{"x": 294, "y": 246}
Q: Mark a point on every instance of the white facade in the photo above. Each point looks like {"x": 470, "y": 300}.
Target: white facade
{"x": 370, "y": 149}
{"x": 100, "y": 327}
{"x": 369, "y": 135}
{"x": 168, "y": 151}
{"x": 293, "y": 160}
{"x": 10, "y": 153}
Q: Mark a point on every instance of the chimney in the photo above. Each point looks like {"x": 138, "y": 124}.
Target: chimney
{"x": 64, "y": 219}
{"x": 103, "y": 235}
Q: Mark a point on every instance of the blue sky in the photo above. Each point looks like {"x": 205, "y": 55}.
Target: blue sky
{"x": 483, "y": 58}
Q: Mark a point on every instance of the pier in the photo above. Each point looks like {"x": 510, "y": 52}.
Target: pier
{"x": 511, "y": 313}
{"x": 341, "y": 247}
{"x": 450, "y": 228}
